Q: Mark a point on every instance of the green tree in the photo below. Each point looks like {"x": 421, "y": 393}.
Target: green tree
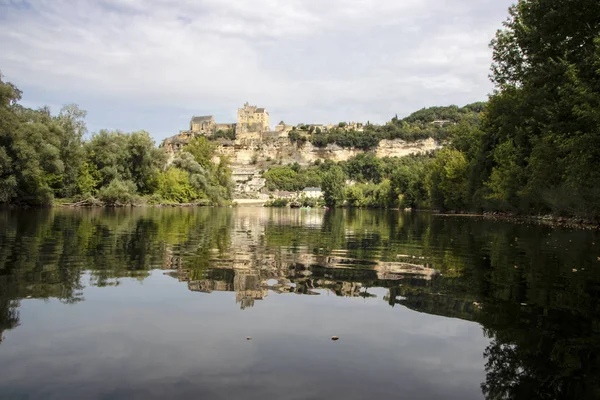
{"x": 203, "y": 151}
{"x": 546, "y": 108}
{"x": 447, "y": 181}
{"x": 118, "y": 193}
{"x": 144, "y": 161}
{"x": 333, "y": 185}
{"x": 88, "y": 179}
{"x": 365, "y": 167}
{"x": 71, "y": 120}
{"x": 174, "y": 185}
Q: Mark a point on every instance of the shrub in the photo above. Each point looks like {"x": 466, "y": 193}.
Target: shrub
{"x": 277, "y": 203}
{"x": 118, "y": 193}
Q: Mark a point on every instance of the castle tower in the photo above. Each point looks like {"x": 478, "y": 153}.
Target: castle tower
{"x": 252, "y": 121}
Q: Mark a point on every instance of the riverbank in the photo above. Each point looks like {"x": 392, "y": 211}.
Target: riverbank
{"x": 549, "y": 220}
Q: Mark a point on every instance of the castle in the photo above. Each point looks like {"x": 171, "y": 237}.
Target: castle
{"x": 251, "y": 122}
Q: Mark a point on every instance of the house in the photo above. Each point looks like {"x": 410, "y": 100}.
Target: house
{"x": 312, "y": 192}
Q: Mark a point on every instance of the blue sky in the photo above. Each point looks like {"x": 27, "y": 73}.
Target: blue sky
{"x": 152, "y": 64}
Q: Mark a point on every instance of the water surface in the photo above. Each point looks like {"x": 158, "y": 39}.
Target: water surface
{"x": 159, "y": 303}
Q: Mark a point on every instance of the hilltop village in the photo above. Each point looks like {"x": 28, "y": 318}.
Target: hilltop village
{"x": 252, "y": 147}
{"x": 253, "y": 124}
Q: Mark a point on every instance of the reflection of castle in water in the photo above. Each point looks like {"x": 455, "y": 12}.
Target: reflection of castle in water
{"x": 252, "y": 269}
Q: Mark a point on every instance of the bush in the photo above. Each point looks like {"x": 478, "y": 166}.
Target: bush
{"x": 118, "y": 193}
{"x": 277, "y": 203}
{"x": 174, "y": 186}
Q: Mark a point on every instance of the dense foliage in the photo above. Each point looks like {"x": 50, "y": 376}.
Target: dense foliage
{"x": 542, "y": 128}
{"x": 433, "y": 122}
{"x": 533, "y": 148}
{"x": 43, "y": 157}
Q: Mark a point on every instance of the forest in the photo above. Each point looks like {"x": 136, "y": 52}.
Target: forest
{"x": 432, "y": 122}
{"x": 533, "y": 148}
{"x": 45, "y": 159}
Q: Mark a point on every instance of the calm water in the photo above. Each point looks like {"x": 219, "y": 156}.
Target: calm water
{"x": 158, "y": 303}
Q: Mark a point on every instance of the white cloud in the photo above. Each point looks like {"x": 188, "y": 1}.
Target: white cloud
{"x": 309, "y": 60}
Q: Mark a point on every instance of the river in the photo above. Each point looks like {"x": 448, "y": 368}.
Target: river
{"x": 221, "y": 303}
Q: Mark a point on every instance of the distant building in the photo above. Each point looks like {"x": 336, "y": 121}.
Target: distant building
{"x": 202, "y": 124}
{"x": 252, "y": 120}
{"x": 312, "y": 192}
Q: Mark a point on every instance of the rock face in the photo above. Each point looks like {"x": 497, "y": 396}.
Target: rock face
{"x": 247, "y": 152}
{"x": 249, "y": 157}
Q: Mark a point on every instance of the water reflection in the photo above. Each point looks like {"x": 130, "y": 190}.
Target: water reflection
{"x": 534, "y": 290}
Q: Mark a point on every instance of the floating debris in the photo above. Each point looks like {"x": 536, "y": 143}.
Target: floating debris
{"x": 334, "y": 338}
{"x": 28, "y": 297}
{"x": 574, "y": 270}
{"x": 248, "y": 338}
{"x": 523, "y": 304}
{"x": 516, "y": 266}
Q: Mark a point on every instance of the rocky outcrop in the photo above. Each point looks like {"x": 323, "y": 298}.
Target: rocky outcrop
{"x": 281, "y": 150}
{"x": 252, "y": 156}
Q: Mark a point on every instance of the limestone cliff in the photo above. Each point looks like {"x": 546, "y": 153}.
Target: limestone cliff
{"x": 249, "y": 157}
{"x": 250, "y": 151}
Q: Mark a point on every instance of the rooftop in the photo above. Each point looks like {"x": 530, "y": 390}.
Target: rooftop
{"x": 202, "y": 118}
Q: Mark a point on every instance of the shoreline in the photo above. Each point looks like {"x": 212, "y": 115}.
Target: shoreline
{"x": 546, "y": 220}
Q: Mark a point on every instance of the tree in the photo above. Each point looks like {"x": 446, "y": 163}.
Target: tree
{"x": 88, "y": 179}
{"x": 144, "y": 160}
{"x": 107, "y": 150}
{"x": 118, "y": 193}
{"x": 447, "y": 182}
{"x": 71, "y": 120}
{"x": 174, "y": 185}
{"x": 365, "y": 167}
{"x": 545, "y": 111}
{"x": 203, "y": 151}
{"x": 333, "y": 186}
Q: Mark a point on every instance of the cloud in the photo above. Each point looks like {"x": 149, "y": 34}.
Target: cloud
{"x": 151, "y": 64}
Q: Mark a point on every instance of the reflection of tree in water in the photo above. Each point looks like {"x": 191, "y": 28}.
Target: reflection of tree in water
{"x": 556, "y": 357}
{"x": 547, "y": 348}
{"x": 46, "y": 254}
{"x": 9, "y": 316}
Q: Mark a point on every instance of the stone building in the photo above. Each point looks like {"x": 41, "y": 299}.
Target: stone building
{"x": 252, "y": 120}
{"x": 204, "y": 124}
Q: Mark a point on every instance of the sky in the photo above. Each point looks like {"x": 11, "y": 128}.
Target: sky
{"x": 153, "y": 64}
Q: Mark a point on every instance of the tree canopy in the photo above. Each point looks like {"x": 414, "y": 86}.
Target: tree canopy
{"x": 43, "y": 157}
